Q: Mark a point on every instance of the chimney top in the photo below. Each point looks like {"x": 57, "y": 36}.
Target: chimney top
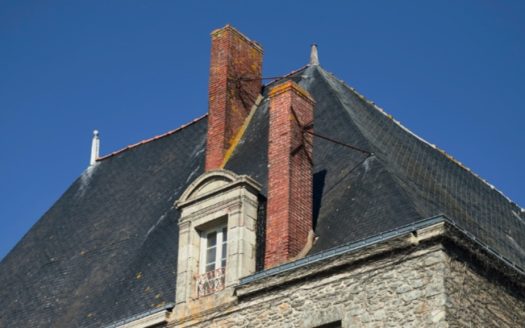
{"x": 314, "y": 57}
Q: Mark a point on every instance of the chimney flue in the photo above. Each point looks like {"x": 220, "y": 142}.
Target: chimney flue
{"x": 234, "y": 86}
{"x": 290, "y": 174}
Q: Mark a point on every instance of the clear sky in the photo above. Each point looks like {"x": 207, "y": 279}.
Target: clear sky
{"x": 451, "y": 71}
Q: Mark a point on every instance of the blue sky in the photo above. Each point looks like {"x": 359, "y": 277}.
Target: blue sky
{"x": 451, "y": 71}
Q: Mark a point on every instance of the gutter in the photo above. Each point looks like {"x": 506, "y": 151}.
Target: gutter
{"x": 160, "y": 315}
{"x": 382, "y": 237}
{"x": 145, "y": 319}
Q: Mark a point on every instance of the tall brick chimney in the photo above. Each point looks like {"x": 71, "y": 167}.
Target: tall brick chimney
{"x": 289, "y": 207}
{"x": 234, "y": 85}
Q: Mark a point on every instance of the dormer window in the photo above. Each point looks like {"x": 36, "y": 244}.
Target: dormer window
{"x": 217, "y": 234}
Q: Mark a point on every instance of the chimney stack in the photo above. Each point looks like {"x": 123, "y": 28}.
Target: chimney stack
{"x": 290, "y": 174}
{"x": 234, "y": 85}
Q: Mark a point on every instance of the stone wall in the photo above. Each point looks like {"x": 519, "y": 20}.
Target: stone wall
{"x": 473, "y": 300}
{"x": 412, "y": 281}
{"x": 398, "y": 290}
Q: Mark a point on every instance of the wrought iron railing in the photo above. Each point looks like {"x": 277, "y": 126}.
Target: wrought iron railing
{"x": 210, "y": 282}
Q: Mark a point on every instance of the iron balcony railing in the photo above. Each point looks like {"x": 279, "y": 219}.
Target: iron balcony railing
{"x": 210, "y": 282}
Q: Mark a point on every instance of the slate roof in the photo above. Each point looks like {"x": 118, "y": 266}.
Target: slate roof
{"x": 107, "y": 249}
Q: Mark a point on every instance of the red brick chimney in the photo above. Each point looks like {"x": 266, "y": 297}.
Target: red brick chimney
{"x": 235, "y": 83}
{"x": 289, "y": 208}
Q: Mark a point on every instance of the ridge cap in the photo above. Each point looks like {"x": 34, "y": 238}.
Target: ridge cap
{"x": 145, "y": 141}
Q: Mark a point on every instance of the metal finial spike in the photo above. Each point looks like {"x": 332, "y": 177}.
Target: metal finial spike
{"x": 95, "y": 148}
{"x": 314, "y": 57}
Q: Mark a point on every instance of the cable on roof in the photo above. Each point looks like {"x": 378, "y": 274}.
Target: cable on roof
{"x": 304, "y": 140}
{"x": 244, "y": 96}
{"x": 307, "y": 129}
{"x": 262, "y": 78}
{"x": 366, "y": 152}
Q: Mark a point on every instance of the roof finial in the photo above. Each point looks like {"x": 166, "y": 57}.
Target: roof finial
{"x": 314, "y": 58}
{"x": 95, "y": 148}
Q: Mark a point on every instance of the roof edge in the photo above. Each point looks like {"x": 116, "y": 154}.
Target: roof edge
{"x": 160, "y": 136}
{"x": 286, "y": 76}
{"x": 422, "y": 229}
{"x": 153, "y": 316}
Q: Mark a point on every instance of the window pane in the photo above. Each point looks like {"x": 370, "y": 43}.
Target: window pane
{"x": 224, "y": 246}
{"x": 212, "y": 239}
{"x": 210, "y": 255}
{"x": 223, "y": 258}
{"x": 223, "y": 250}
{"x": 210, "y": 267}
{"x": 211, "y": 251}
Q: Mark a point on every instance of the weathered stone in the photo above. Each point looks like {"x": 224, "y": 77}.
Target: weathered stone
{"x": 410, "y": 296}
{"x": 403, "y": 289}
{"x": 477, "y": 301}
{"x": 384, "y": 293}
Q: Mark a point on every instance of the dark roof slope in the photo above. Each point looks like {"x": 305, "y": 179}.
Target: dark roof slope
{"x": 405, "y": 180}
{"x": 429, "y": 181}
{"x": 107, "y": 249}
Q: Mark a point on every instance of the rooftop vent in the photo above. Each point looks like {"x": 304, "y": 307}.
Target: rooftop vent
{"x": 95, "y": 148}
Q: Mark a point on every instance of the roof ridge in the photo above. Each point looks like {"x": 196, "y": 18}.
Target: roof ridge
{"x": 441, "y": 151}
{"x": 145, "y": 141}
{"x": 280, "y": 78}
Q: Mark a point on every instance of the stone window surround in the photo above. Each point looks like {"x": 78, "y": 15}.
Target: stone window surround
{"x": 217, "y": 197}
